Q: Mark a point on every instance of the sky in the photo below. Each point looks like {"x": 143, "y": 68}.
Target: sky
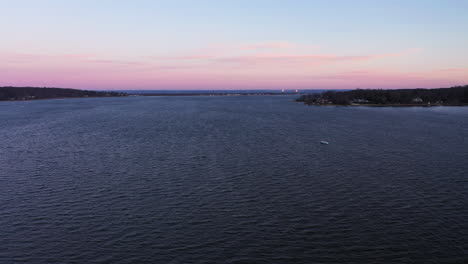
{"x": 235, "y": 44}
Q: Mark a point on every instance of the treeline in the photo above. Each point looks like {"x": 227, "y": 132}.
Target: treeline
{"x": 33, "y": 93}
{"x": 457, "y": 95}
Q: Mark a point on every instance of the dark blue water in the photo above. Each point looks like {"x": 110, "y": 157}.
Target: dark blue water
{"x": 231, "y": 180}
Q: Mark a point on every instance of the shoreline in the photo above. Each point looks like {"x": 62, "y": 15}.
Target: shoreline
{"x": 58, "y": 98}
{"x": 212, "y": 94}
{"x": 156, "y": 95}
{"x": 10, "y": 93}
{"x": 386, "y": 105}
{"x": 242, "y": 94}
{"x": 417, "y": 97}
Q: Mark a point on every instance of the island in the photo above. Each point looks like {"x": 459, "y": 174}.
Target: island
{"x": 454, "y": 96}
{"x": 9, "y": 93}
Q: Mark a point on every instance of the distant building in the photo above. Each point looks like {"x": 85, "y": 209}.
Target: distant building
{"x": 418, "y": 100}
{"x": 360, "y": 101}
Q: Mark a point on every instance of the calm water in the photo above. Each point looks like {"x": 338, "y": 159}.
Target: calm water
{"x": 231, "y": 180}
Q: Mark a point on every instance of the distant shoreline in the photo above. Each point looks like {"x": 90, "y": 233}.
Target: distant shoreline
{"x": 212, "y": 94}
{"x": 387, "y": 105}
{"x": 35, "y": 93}
{"x": 149, "y": 95}
{"x": 453, "y": 96}
{"x": 14, "y": 94}
{"x": 59, "y": 98}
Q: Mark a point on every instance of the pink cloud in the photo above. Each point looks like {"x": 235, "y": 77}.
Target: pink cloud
{"x": 102, "y": 79}
{"x": 291, "y": 60}
{"x": 385, "y": 79}
{"x": 268, "y": 46}
{"x": 272, "y": 58}
{"x": 455, "y": 70}
{"x": 116, "y": 62}
{"x": 263, "y": 65}
{"x": 221, "y": 50}
{"x": 278, "y": 56}
{"x": 29, "y": 57}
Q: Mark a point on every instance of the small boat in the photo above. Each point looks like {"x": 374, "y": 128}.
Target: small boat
{"x": 324, "y": 142}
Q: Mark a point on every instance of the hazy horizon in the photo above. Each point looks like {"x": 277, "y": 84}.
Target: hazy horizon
{"x": 233, "y": 90}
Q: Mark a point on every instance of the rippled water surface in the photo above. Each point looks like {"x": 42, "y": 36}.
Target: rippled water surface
{"x": 234, "y": 179}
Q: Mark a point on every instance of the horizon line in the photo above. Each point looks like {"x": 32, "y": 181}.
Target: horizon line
{"x": 239, "y": 89}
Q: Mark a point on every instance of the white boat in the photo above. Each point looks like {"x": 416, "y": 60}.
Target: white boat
{"x": 324, "y": 142}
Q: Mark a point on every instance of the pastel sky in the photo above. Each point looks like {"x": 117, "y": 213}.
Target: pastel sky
{"x": 236, "y": 44}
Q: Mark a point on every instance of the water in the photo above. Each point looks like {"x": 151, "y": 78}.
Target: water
{"x": 231, "y": 180}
